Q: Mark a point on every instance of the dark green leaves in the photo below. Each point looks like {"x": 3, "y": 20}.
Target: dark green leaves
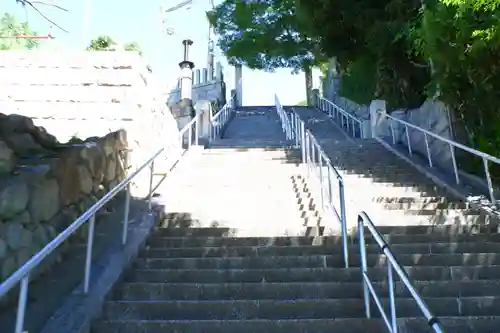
{"x": 263, "y": 34}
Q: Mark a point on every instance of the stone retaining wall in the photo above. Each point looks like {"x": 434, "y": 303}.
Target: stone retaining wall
{"x": 83, "y": 94}
{"x": 45, "y": 185}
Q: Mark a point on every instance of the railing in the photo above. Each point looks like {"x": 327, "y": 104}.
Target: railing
{"x": 285, "y": 121}
{"x": 347, "y": 120}
{"x": 317, "y": 163}
{"x": 452, "y": 144}
{"x": 393, "y": 266}
{"x": 22, "y": 275}
{"x": 220, "y": 119}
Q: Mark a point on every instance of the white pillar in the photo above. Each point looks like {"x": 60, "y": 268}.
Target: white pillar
{"x": 197, "y": 76}
{"x": 238, "y": 84}
{"x": 186, "y": 83}
{"x": 204, "y": 74}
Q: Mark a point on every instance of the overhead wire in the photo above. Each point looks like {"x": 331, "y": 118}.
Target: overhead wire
{"x": 31, "y": 4}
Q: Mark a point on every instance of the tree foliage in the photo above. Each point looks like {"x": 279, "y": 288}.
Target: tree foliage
{"x": 106, "y": 43}
{"x": 372, "y": 41}
{"x": 11, "y": 27}
{"x": 266, "y": 35}
{"x": 263, "y": 34}
{"x": 405, "y": 51}
{"x": 462, "y": 37}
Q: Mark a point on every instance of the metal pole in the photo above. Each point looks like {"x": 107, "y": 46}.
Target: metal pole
{"x": 21, "y": 305}
{"x": 88, "y": 259}
{"x": 362, "y": 251}
{"x": 125, "y": 215}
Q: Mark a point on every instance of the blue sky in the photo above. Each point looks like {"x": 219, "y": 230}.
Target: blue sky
{"x": 140, "y": 21}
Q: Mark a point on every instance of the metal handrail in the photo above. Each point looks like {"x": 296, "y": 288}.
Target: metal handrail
{"x": 452, "y": 144}
{"x": 22, "y": 275}
{"x": 316, "y": 161}
{"x": 220, "y": 119}
{"x": 334, "y": 111}
{"x": 393, "y": 265}
{"x": 285, "y": 121}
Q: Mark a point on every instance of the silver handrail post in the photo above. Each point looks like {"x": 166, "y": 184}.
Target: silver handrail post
{"x": 197, "y": 127}
{"x": 410, "y": 152}
{"x": 321, "y": 180}
{"x": 21, "y": 304}
{"x": 150, "y": 196}
{"x": 88, "y": 259}
{"x": 362, "y": 251}
{"x": 303, "y": 135}
{"x": 392, "y": 300}
{"x": 343, "y": 222}
{"x": 125, "y": 214}
{"x": 297, "y": 132}
{"x": 489, "y": 182}
{"x": 428, "y": 150}
{"x": 308, "y": 154}
{"x": 454, "y": 162}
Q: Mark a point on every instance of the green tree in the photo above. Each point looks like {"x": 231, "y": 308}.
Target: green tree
{"x": 461, "y": 37}
{"x": 372, "y": 41}
{"x": 405, "y": 51}
{"x": 106, "y": 43}
{"x": 10, "y": 27}
{"x": 265, "y": 35}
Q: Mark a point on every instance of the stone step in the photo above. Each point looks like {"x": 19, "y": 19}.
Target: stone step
{"x": 393, "y": 186}
{"x": 303, "y": 290}
{"x": 432, "y": 229}
{"x": 382, "y": 217}
{"x": 384, "y": 230}
{"x": 250, "y": 144}
{"x": 241, "y": 153}
{"x": 419, "y": 203}
{"x": 292, "y": 309}
{"x": 340, "y": 325}
{"x": 244, "y": 252}
{"x": 373, "y": 260}
{"x": 197, "y": 232}
{"x": 183, "y": 242}
{"x": 227, "y": 275}
{"x": 282, "y": 187}
{"x": 273, "y": 219}
{"x": 272, "y": 157}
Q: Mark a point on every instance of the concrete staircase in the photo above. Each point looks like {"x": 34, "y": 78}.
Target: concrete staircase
{"x": 202, "y": 280}
{"x": 377, "y": 181}
{"x": 232, "y": 254}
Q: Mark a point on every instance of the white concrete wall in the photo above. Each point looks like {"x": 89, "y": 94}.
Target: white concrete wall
{"x": 87, "y": 94}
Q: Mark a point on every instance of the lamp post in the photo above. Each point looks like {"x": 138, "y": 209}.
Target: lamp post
{"x": 211, "y": 46}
